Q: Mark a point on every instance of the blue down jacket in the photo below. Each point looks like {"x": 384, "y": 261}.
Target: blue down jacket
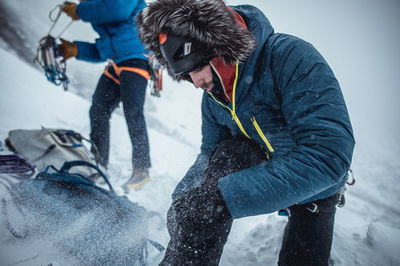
{"x": 288, "y": 100}
{"x": 114, "y": 22}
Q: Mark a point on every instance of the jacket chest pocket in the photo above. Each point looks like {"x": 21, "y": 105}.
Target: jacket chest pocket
{"x": 242, "y": 121}
{"x": 261, "y": 134}
{"x": 249, "y": 126}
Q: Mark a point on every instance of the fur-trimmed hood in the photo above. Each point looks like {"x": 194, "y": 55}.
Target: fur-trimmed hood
{"x": 209, "y": 22}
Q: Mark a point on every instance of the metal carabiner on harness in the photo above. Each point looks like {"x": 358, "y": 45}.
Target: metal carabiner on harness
{"x": 312, "y": 207}
{"x": 155, "y": 81}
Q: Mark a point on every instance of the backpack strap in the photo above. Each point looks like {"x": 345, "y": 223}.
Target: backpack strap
{"x": 68, "y": 165}
{"x": 66, "y": 138}
{"x": 74, "y": 137}
{"x": 10, "y": 228}
{"x": 157, "y": 245}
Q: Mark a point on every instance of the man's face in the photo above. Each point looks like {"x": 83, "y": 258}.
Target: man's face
{"x": 202, "y": 78}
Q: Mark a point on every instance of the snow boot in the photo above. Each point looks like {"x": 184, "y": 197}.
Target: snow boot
{"x": 137, "y": 180}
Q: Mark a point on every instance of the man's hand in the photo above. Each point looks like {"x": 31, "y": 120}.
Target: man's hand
{"x": 70, "y": 9}
{"x": 198, "y": 223}
{"x": 68, "y": 49}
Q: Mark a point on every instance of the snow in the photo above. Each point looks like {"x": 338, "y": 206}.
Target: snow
{"x": 359, "y": 39}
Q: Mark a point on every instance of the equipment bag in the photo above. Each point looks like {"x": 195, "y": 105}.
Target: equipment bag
{"x": 77, "y": 220}
{"x": 46, "y": 146}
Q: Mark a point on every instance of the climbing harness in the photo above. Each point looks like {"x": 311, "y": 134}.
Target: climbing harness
{"x": 118, "y": 70}
{"x": 314, "y": 208}
{"x": 48, "y": 55}
{"x": 349, "y": 182}
{"x": 154, "y": 75}
{"x": 311, "y": 207}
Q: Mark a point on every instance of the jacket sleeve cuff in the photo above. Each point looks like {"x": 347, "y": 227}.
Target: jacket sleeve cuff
{"x": 247, "y": 193}
{"x": 88, "y": 52}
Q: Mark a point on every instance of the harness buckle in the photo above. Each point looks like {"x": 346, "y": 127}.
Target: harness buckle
{"x": 285, "y": 212}
{"x": 350, "y": 178}
{"x": 313, "y": 207}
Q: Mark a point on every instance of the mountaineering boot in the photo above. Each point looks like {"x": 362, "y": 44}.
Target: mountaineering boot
{"x": 137, "y": 180}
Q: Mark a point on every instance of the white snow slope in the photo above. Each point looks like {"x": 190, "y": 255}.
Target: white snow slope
{"x": 358, "y": 39}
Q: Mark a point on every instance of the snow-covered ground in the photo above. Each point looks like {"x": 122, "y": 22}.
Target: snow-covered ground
{"x": 358, "y": 38}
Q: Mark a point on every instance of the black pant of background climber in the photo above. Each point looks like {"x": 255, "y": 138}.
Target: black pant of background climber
{"x": 199, "y": 221}
{"x": 131, "y": 92}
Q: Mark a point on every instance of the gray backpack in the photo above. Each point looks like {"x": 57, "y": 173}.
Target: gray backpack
{"x": 43, "y": 147}
{"x": 64, "y": 217}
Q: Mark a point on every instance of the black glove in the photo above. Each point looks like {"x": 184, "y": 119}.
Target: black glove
{"x": 199, "y": 221}
{"x": 233, "y": 155}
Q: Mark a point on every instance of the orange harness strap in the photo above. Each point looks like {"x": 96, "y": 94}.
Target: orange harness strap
{"x": 118, "y": 70}
{"x": 108, "y": 74}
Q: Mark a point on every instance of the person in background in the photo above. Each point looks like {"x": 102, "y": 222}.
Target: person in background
{"x": 264, "y": 92}
{"x": 124, "y": 79}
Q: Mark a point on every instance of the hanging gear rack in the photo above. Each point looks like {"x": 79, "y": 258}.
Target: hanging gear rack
{"x": 48, "y": 55}
{"x": 155, "y": 71}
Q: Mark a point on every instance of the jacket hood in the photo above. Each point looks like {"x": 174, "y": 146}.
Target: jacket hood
{"x": 209, "y": 22}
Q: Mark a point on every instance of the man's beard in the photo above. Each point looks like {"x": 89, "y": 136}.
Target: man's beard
{"x": 208, "y": 87}
{"x": 216, "y": 86}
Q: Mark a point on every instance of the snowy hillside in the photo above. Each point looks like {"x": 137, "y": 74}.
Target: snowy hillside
{"x": 367, "y": 229}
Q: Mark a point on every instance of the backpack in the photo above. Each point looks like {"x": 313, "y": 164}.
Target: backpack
{"x": 71, "y": 220}
{"x": 46, "y": 146}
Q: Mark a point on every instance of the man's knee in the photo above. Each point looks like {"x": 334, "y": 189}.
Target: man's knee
{"x": 99, "y": 112}
{"x": 235, "y": 154}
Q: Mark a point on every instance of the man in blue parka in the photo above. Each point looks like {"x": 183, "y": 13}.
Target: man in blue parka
{"x": 272, "y": 90}
{"x": 124, "y": 80}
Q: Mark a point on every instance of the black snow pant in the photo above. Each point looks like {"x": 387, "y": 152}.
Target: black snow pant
{"x": 131, "y": 91}
{"x": 307, "y": 239}
{"x": 308, "y": 235}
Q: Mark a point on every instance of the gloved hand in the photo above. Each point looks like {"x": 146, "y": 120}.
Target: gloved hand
{"x": 68, "y": 49}
{"x": 199, "y": 224}
{"x": 70, "y": 9}
{"x": 199, "y": 221}
{"x": 233, "y": 155}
